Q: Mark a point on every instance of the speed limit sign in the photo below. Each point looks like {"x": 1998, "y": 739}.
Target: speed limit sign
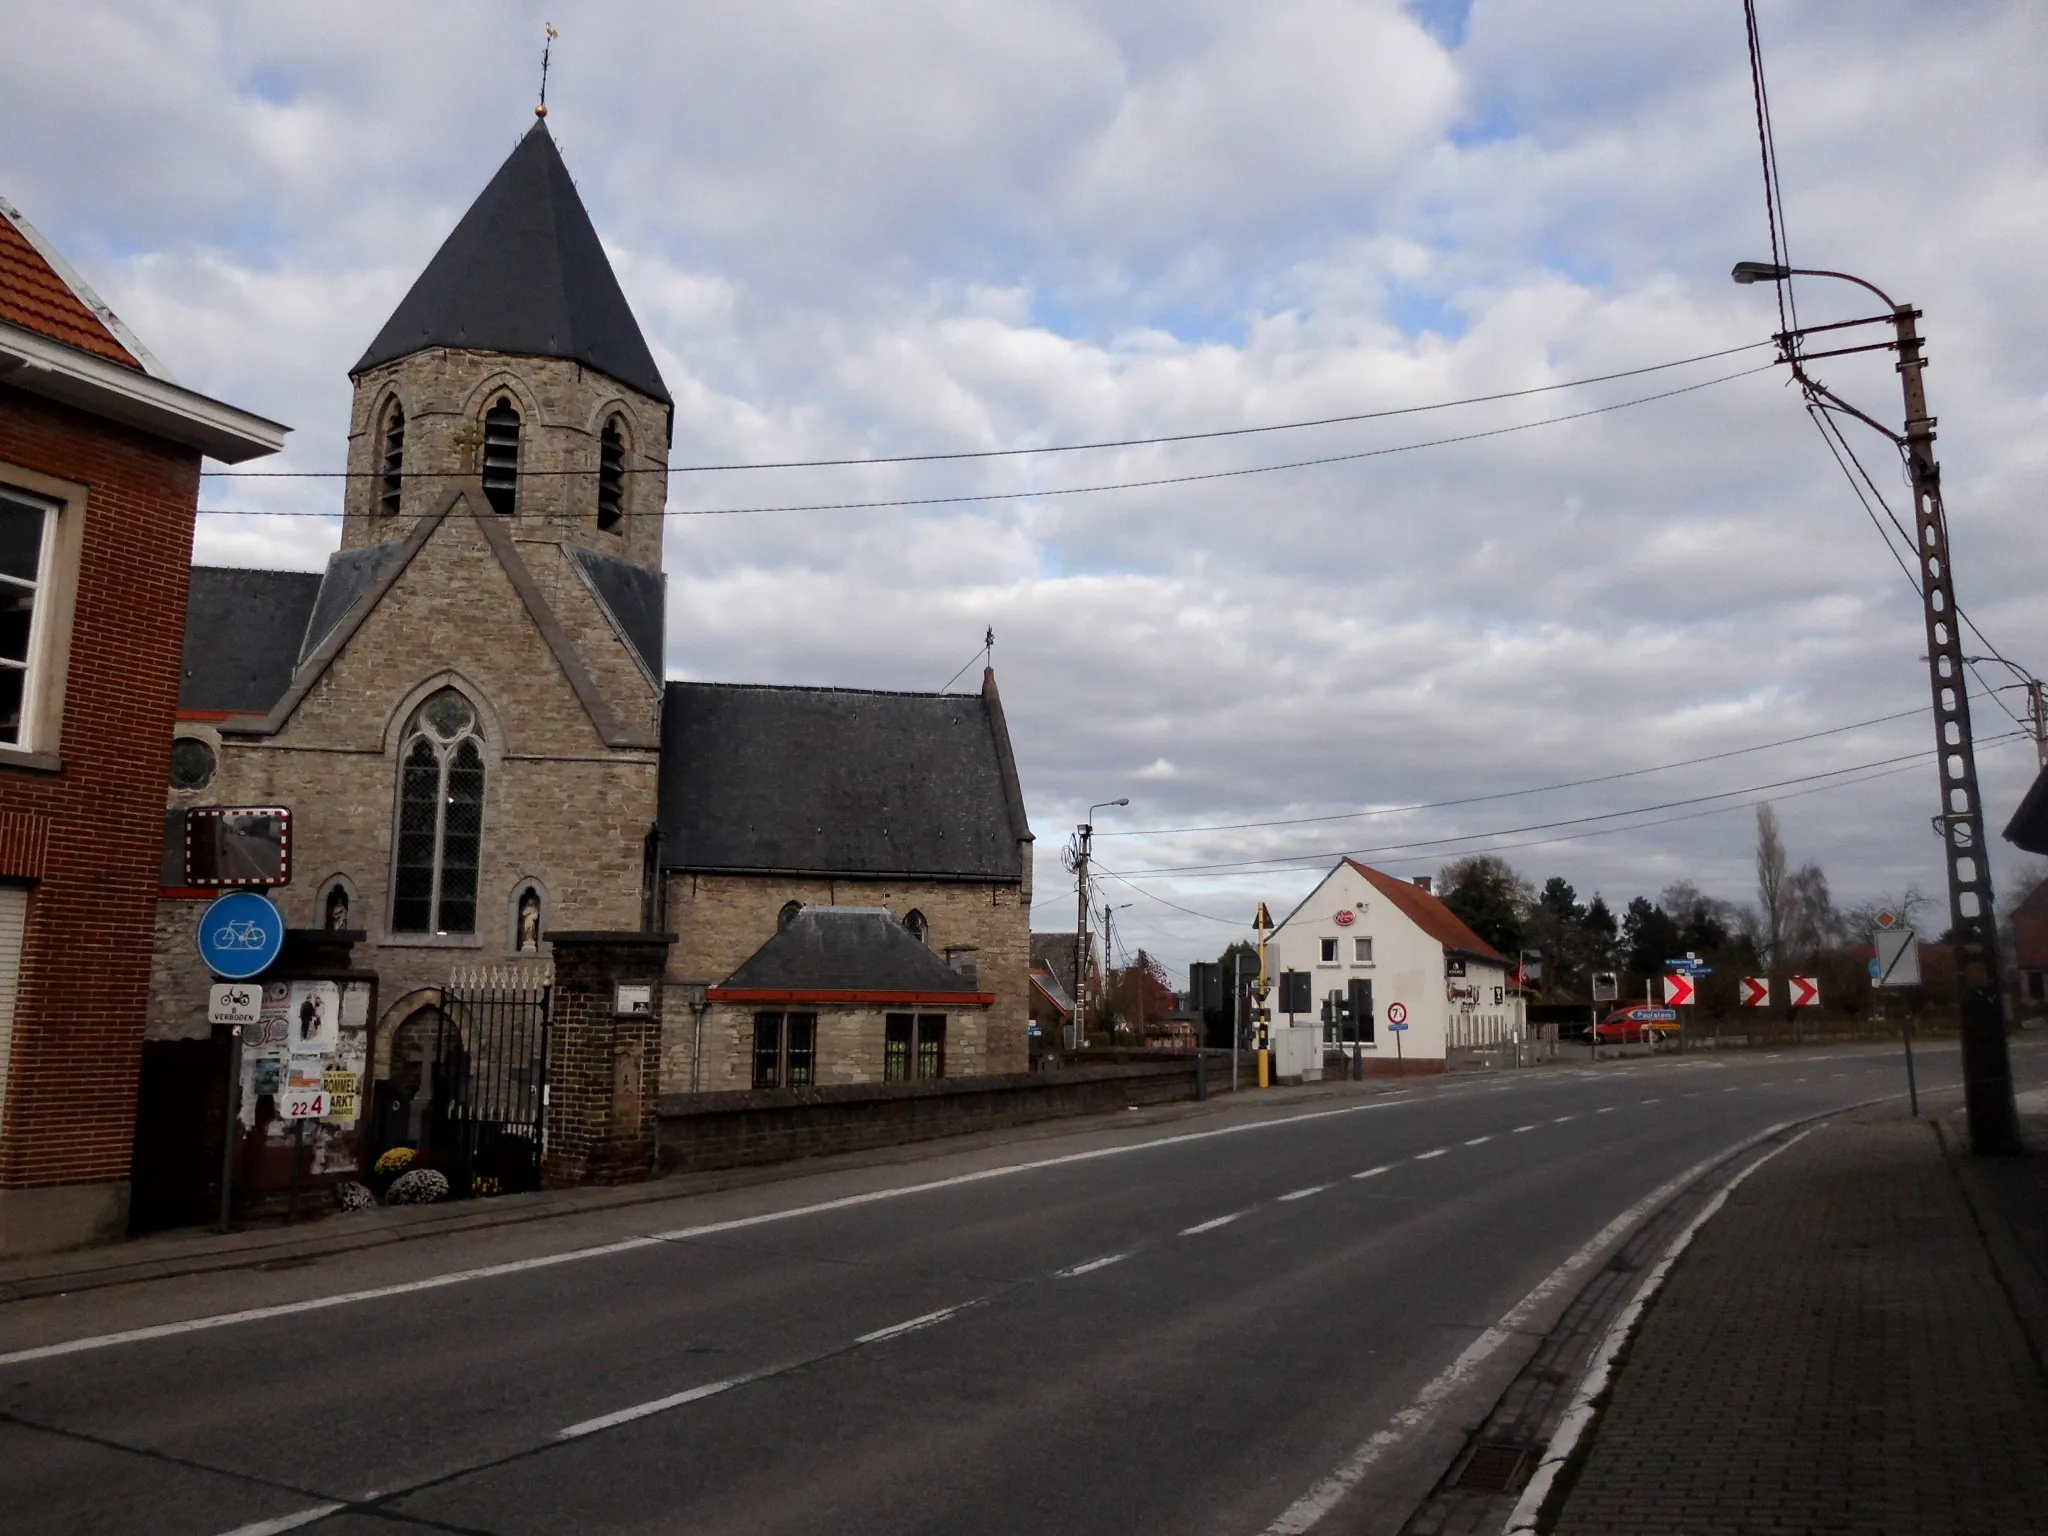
{"x": 1397, "y": 1013}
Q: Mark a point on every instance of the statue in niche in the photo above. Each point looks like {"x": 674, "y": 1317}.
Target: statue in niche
{"x": 529, "y": 921}
{"x": 337, "y": 909}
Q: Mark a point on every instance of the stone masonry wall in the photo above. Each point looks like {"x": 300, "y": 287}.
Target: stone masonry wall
{"x": 563, "y": 407}
{"x": 849, "y": 1043}
{"x": 719, "y": 920}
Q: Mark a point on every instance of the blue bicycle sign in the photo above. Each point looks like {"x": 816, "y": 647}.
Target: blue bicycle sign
{"x": 240, "y": 934}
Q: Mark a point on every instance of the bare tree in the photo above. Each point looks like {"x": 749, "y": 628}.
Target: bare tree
{"x": 1772, "y": 898}
{"x": 1811, "y": 922}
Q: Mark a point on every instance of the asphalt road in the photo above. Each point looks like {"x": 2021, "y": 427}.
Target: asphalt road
{"x": 1267, "y": 1316}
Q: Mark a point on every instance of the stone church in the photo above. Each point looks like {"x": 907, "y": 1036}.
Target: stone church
{"x": 468, "y": 715}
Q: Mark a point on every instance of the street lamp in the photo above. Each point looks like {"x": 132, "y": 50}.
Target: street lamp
{"x": 1077, "y": 861}
{"x": 1987, "y": 1065}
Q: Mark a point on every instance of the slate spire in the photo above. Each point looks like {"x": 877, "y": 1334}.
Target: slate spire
{"x": 523, "y": 273}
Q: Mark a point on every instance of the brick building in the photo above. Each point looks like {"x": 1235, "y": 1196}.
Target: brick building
{"x": 468, "y": 711}
{"x": 99, "y": 476}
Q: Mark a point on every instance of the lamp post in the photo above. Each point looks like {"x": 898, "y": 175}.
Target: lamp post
{"x": 1077, "y": 861}
{"x": 1987, "y": 1065}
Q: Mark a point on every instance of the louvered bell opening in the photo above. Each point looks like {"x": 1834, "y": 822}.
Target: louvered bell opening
{"x": 501, "y": 457}
{"x": 394, "y": 462}
{"x": 611, "y": 477}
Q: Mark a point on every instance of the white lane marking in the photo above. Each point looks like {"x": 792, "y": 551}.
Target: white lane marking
{"x": 1521, "y": 1128}
{"x": 1731, "y": 1090}
{"x": 1833, "y": 1075}
{"x": 1601, "y": 1368}
{"x": 1210, "y": 1225}
{"x": 1084, "y": 1269}
{"x": 1373, "y": 1173}
{"x": 1478, "y": 1141}
{"x": 1652, "y": 1101}
{"x": 1560, "y": 1120}
{"x": 897, "y": 1330}
{"x": 1304, "y": 1513}
{"x": 289, "y": 1522}
{"x": 1607, "y": 1111}
{"x": 654, "y": 1239}
{"x": 1771, "y": 1084}
{"x": 642, "y": 1410}
{"x": 1303, "y": 1194}
{"x": 1423, "y": 1157}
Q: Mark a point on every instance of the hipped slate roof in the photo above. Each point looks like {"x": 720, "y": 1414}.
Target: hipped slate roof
{"x": 242, "y": 634}
{"x": 825, "y": 950}
{"x": 831, "y": 781}
{"x": 524, "y": 273}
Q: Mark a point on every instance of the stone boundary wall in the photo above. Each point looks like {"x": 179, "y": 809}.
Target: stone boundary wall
{"x": 699, "y": 1131}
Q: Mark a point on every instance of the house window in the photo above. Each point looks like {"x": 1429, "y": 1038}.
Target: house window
{"x": 501, "y": 457}
{"x": 785, "y": 1050}
{"x": 192, "y": 763}
{"x": 914, "y": 921}
{"x": 913, "y": 1046}
{"x": 440, "y": 819}
{"x": 25, "y": 535}
{"x": 611, "y": 476}
{"x": 394, "y": 460}
{"x": 1329, "y": 951}
{"x": 1361, "y": 951}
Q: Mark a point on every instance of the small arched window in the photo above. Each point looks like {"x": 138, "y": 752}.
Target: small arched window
{"x": 611, "y": 476}
{"x": 440, "y": 819}
{"x": 501, "y": 456}
{"x": 334, "y": 916}
{"x": 393, "y": 478}
{"x": 788, "y": 913}
{"x": 914, "y": 921}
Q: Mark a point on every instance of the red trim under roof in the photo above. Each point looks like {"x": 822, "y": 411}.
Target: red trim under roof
{"x": 821, "y": 995}
{"x": 1428, "y": 913}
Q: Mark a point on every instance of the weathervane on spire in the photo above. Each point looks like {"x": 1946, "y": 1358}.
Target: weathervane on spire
{"x": 545, "y": 49}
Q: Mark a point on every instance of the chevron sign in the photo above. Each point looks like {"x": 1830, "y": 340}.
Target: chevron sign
{"x": 1677, "y": 991}
{"x": 1805, "y": 991}
{"x": 1756, "y": 991}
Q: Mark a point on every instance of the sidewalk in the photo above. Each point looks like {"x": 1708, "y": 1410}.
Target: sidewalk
{"x": 1852, "y": 1345}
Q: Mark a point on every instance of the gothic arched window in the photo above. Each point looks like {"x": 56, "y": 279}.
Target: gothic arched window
{"x": 440, "y": 819}
{"x": 501, "y": 456}
{"x": 914, "y": 921}
{"x": 393, "y": 480}
{"x": 611, "y": 476}
{"x": 788, "y": 913}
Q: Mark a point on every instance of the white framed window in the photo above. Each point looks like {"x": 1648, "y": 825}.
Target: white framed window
{"x": 1361, "y": 950}
{"x": 27, "y": 534}
{"x": 1329, "y": 952}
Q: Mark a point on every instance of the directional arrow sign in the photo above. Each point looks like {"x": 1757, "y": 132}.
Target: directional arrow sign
{"x": 1756, "y": 991}
{"x": 1677, "y": 991}
{"x": 1805, "y": 991}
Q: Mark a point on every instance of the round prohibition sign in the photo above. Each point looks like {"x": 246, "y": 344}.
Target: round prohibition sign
{"x": 1397, "y": 1013}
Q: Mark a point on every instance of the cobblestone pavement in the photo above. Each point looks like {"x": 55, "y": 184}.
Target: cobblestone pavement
{"x": 1836, "y": 1353}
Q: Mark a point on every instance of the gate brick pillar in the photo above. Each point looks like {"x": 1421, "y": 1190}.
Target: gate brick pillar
{"x": 604, "y": 1057}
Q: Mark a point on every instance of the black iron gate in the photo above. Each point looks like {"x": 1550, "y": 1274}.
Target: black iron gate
{"x": 488, "y": 1124}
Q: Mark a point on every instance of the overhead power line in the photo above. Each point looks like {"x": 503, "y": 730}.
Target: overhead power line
{"x": 1513, "y": 794}
{"x": 1011, "y": 453}
{"x": 1128, "y": 485}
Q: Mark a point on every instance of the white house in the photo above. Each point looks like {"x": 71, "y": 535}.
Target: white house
{"x": 1399, "y": 955}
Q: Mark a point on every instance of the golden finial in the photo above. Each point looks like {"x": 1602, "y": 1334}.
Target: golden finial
{"x": 545, "y": 50}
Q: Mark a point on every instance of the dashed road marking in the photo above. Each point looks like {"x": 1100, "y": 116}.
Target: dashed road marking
{"x": 1210, "y": 1225}
{"x": 1652, "y": 1101}
{"x": 1303, "y": 1194}
{"x": 1560, "y": 1120}
{"x": 1062, "y": 1274}
{"x": 1521, "y": 1128}
{"x": 1423, "y": 1157}
{"x": 281, "y": 1523}
{"x": 1373, "y": 1173}
{"x": 659, "y": 1405}
{"x": 1478, "y": 1141}
{"x": 1607, "y": 1111}
{"x": 897, "y": 1330}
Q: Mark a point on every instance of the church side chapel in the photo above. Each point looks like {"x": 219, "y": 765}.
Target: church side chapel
{"x": 468, "y": 715}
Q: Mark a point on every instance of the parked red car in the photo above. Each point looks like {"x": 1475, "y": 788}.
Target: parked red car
{"x": 1632, "y": 1026}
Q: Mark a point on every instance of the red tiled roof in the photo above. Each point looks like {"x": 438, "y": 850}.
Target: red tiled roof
{"x": 36, "y": 298}
{"x": 1429, "y": 914}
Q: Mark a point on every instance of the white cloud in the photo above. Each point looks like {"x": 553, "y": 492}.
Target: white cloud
{"x": 872, "y": 229}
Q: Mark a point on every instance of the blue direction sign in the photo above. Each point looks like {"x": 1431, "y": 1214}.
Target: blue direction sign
{"x": 1656, "y": 1015}
{"x": 240, "y": 934}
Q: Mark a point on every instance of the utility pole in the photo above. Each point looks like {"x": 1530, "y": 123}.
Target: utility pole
{"x": 1987, "y": 1062}
{"x": 1077, "y": 854}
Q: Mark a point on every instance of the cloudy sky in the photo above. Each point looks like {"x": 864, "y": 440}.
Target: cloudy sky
{"x": 855, "y": 228}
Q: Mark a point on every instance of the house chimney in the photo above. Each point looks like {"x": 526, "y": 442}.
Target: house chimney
{"x": 1425, "y": 884}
